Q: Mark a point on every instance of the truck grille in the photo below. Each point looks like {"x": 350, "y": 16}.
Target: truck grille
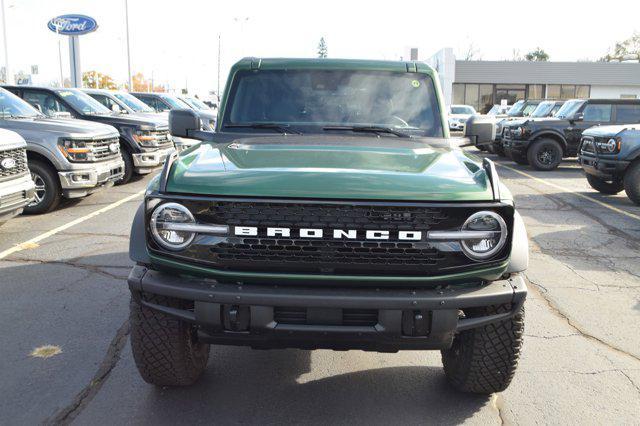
{"x": 19, "y": 155}
{"x": 100, "y": 148}
{"x": 328, "y": 255}
{"x": 162, "y": 137}
{"x": 331, "y": 316}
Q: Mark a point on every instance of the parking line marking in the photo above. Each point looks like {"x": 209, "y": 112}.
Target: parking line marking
{"x": 30, "y": 243}
{"x": 586, "y": 197}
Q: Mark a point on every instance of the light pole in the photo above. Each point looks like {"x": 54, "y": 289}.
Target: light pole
{"x": 219, "y": 44}
{"x": 126, "y": 15}
{"x": 7, "y": 71}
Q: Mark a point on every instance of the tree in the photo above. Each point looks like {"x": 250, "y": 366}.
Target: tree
{"x": 97, "y": 80}
{"x": 141, "y": 84}
{"x": 515, "y": 55}
{"x": 626, "y": 50}
{"x": 322, "y": 48}
{"x": 472, "y": 53}
{"x": 537, "y": 55}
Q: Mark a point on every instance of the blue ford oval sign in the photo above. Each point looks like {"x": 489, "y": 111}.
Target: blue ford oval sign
{"x": 72, "y": 25}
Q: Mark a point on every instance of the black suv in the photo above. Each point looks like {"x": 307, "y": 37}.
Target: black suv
{"x": 543, "y": 142}
{"x": 144, "y": 142}
{"x": 522, "y": 108}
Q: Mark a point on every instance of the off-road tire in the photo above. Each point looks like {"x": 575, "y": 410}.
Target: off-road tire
{"x": 44, "y": 174}
{"x": 519, "y": 158}
{"x": 128, "y": 167}
{"x": 484, "y": 359}
{"x": 499, "y": 150}
{"x": 165, "y": 349}
{"x": 538, "y": 148}
{"x": 632, "y": 182}
{"x": 604, "y": 187}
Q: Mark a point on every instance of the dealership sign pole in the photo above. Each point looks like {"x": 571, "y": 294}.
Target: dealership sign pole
{"x": 73, "y": 26}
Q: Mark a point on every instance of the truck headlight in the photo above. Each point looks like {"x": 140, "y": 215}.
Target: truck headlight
{"x": 75, "y": 150}
{"x": 145, "y": 138}
{"x": 519, "y": 132}
{"x": 493, "y": 231}
{"x": 610, "y": 146}
{"x": 166, "y": 229}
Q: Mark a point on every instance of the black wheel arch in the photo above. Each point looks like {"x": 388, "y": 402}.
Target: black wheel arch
{"x": 551, "y": 134}
{"x": 138, "y": 240}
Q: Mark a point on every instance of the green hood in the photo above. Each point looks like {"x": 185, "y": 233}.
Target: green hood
{"x": 332, "y": 167}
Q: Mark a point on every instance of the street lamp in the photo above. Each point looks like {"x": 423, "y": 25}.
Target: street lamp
{"x": 126, "y": 15}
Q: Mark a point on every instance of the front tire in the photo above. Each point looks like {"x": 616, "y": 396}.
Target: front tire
{"x": 632, "y": 182}
{"x": 484, "y": 359}
{"x": 604, "y": 187}
{"x": 165, "y": 349}
{"x": 48, "y": 192}
{"x": 128, "y": 167}
{"x": 545, "y": 154}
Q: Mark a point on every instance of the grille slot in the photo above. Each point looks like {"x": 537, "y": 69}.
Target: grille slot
{"x": 14, "y": 198}
{"x": 346, "y": 317}
{"x": 19, "y": 155}
{"x": 162, "y": 138}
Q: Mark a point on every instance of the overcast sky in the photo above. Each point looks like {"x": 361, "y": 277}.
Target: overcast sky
{"x": 177, "y": 40}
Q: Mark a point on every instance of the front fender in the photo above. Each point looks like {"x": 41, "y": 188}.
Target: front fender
{"x": 519, "y": 260}
{"x": 137, "y": 241}
{"x": 550, "y": 133}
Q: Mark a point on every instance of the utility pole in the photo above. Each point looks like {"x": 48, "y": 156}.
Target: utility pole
{"x": 7, "y": 71}
{"x": 59, "y": 56}
{"x": 126, "y": 15}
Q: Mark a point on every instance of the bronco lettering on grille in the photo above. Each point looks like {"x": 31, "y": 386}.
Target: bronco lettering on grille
{"x": 338, "y": 234}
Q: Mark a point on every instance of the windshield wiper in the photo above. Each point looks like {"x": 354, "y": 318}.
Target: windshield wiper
{"x": 282, "y": 128}
{"x": 369, "y": 129}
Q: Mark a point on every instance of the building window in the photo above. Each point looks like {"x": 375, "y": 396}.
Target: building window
{"x": 486, "y": 98}
{"x": 458, "y": 94}
{"x": 510, "y": 92}
{"x": 535, "y": 91}
{"x": 567, "y": 91}
{"x": 471, "y": 95}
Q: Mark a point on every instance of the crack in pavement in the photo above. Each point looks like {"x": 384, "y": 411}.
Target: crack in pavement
{"x": 631, "y": 381}
{"x": 89, "y": 268}
{"x": 67, "y": 414}
{"x": 555, "y": 336}
{"x": 554, "y": 308}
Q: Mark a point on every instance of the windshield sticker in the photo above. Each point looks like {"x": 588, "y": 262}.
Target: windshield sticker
{"x": 65, "y": 94}
{"x": 415, "y": 83}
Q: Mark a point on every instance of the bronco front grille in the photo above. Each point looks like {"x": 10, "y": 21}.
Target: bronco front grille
{"x": 19, "y": 155}
{"x": 327, "y": 254}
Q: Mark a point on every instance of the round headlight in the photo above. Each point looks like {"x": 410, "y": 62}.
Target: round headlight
{"x": 164, "y": 232}
{"x": 484, "y": 248}
{"x": 611, "y": 145}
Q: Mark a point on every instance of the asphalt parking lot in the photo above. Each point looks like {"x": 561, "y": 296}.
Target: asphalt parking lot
{"x": 580, "y": 363}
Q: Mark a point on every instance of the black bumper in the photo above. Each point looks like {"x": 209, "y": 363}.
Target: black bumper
{"x": 604, "y": 168}
{"x": 286, "y": 316}
{"x": 516, "y": 146}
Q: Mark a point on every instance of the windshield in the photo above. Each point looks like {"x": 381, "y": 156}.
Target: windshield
{"x": 516, "y": 109}
{"x": 321, "y": 98}
{"x": 174, "y": 102}
{"x": 462, "y": 110}
{"x": 543, "y": 109}
{"x": 196, "y": 103}
{"x": 82, "y": 102}
{"x": 134, "y": 103}
{"x": 569, "y": 109}
{"x": 12, "y": 106}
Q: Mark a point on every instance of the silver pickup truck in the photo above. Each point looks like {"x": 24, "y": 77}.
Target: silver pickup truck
{"x": 67, "y": 158}
{"x": 16, "y": 186}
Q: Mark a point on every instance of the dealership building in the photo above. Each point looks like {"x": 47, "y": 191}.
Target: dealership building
{"x": 482, "y": 84}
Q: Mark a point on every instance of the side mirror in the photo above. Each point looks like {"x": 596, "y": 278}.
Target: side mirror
{"x": 38, "y": 107}
{"x": 480, "y": 130}
{"x": 578, "y": 117}
{"x": 183, "y": 123}
{"x": 116, "y": 108}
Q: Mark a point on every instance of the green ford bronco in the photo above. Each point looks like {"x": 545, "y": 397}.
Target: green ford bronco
{"x": 329, "y": 209}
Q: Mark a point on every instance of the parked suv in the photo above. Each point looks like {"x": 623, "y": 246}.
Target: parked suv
{"x": 144, "y": 142}
{"x": 162, "y": 102}
{"x": 610, "y": 157}
{"x": 67, "y": 158}
{"x": 522, "y": 108}
{"x": 328, "y": 210}
{"x": 543, "y": 142}
{"x": 16, "y": 186}
{"x": 120, "y": 101}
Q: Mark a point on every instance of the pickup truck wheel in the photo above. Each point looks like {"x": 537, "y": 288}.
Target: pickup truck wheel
{"x": 165, "y": 349}
{"x": 484, "y": 359}
{"x": 632, "y": 182}
{"x": 545, "y": 154}
{"x": 128, "y": 167}
{"x": 604, "y": 187}
{"x": 47, "y": 193}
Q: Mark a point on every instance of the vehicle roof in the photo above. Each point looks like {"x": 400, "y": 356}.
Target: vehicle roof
{"x": 52, "y": 89}
{"x": 332, "y": 64}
